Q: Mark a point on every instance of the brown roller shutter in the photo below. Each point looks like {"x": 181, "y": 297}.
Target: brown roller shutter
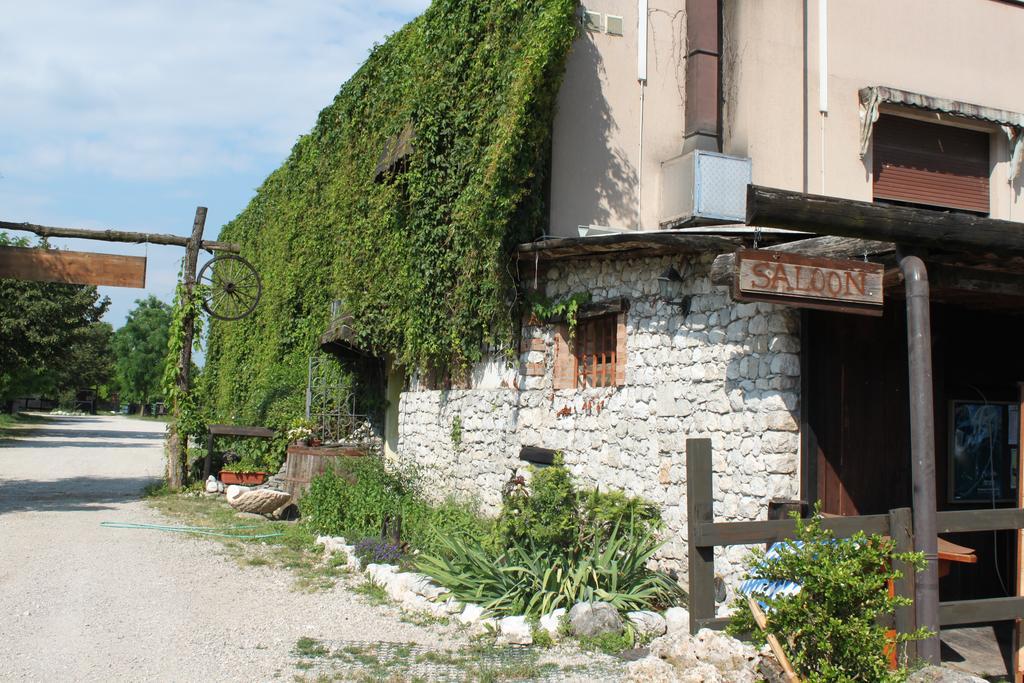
{"x": 930, "y": 164}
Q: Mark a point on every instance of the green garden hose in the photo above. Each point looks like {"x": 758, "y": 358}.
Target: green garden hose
{"x": 201, "y": 530}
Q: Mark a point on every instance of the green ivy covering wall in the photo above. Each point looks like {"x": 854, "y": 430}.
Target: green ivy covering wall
{"x": 421, "y": 259}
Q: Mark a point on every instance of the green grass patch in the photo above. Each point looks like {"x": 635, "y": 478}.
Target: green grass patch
{"x": 609, "y": 643}
{"x": 374, "y": 593}
{"x": 11, "y": 424}
{"x": 310, "y": 647}
{"x": 293, "y": 550}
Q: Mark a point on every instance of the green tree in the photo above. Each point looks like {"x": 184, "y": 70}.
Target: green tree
{"x": 90, "y": 363}
{"x": 42, "y": 325}
{"x": 139, "y": 349}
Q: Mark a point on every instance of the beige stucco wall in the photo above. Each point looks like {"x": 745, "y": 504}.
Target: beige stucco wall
{"x": 969, "y": 50}
{"x": 597, "y": 174}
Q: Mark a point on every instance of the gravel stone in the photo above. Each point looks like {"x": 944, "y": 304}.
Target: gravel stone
{"x": 86, "y": 603}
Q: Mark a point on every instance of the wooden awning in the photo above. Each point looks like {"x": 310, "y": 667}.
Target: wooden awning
{"x": 629, "y": 244}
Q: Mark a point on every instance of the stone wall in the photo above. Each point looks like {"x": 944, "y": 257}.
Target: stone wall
{"x": 728, "y": 371}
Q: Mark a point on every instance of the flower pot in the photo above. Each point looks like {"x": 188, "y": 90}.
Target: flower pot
{"x": 243, "y": 478}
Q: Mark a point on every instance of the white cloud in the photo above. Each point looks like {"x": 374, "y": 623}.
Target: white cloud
{"x": 169, "y": 89}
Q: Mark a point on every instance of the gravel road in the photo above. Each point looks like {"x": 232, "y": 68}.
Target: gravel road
{"x": 79, "y": 602}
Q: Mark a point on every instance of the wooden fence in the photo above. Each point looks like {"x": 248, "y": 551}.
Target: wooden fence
{"x": 705, "y": 534}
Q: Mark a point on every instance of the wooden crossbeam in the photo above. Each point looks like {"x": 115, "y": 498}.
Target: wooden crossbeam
{"x": 771, "y": 207}
{"x": 72, "y": 267}
{"x": 116, "y": 236}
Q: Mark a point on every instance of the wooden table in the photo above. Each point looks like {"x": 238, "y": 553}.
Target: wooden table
{"x": 950, "y": 552}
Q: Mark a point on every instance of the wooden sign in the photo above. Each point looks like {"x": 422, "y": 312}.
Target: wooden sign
{"x": 72, "y": 267}
{"x": 808, "y": 282}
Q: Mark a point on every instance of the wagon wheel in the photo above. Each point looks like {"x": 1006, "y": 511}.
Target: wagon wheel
{"x": 231, "y": 287}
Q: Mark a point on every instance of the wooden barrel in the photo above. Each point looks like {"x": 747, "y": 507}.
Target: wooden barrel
{"x": 305, "y": 462}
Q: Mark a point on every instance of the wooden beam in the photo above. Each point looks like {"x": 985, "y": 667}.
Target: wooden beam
{"x": 772, "y": 207}
{"x": 700, "y": 511}
{"x": 632, "y": 243}
{"x": 241, "y": 430}
{"x": 116, "y": 236}
{"x": 980, "y": 611}
{"x": 708, "y": 534}
{"x": 958, "y": 521}
{"x": 72, "y": 267}
{"x": 722, "y": 270}
{"x": 177, "y": 447}
{"x": 976, "y": 280}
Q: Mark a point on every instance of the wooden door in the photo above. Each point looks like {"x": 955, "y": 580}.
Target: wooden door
{"x": 856, "y": 426}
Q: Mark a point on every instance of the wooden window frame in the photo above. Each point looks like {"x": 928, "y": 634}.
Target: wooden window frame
{"x": 597, "y": 336}
{"x": 595, "y": 352}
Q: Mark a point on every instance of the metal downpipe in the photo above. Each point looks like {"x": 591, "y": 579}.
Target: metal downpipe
{"x": 922, "y": 448}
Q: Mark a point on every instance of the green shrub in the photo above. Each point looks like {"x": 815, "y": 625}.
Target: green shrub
{"x": 355, "y": 500}
{"x": 552, "y": 512}
{"x": 534, "y": 580}
{"x": 322, "y": 505}
{"x": 425, "y": 526}
{"x": 545, "y": 515}
{"x": 829, "y": 629}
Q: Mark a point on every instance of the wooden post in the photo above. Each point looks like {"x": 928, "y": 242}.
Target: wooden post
{"x": 1018, "y": 626}
{"x": 699, "y": 509}
{"x": 901, "y": 525}
{"x": 176, "y": 446}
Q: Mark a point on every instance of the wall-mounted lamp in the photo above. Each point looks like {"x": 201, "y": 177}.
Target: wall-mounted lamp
{"x": 670, "y": 283}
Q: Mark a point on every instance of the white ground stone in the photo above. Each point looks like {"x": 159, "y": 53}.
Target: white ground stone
{"x": 677, "y": 619}
{"x": 514, "y": 631}
{"x": 736, "y": 661}
{"x": 420, "y": 584}
{"x": 651, "y": 670}
{"x": 380, "y": 574}
{"x": 647, "y": 624}
{"x": 471, "y": 614}
{"x": 552, "y": 623}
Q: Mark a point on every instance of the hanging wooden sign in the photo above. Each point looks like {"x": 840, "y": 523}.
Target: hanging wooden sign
{"x": 72, "y": 267}
{"x": 808, "y": 282}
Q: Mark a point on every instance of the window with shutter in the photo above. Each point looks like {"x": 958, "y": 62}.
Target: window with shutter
{"x": 930, "y": 164}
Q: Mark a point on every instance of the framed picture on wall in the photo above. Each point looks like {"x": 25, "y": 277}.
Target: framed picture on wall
{"x": 983, "y": 451}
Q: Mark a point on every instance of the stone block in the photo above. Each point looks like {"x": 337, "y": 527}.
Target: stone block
{"x": 590, "y": 619}
{"x": 552, "y": 623}
{"x": 471, "y": 614}
{"x": 647, "y": 624}
{"x": 677, "y": 620}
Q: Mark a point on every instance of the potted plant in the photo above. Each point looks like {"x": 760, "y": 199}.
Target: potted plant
{"x": 301, "y": 431}
{"x": 246, "y": 472}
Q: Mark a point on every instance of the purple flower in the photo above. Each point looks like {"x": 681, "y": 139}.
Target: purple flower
{"x": 377, "y": 551}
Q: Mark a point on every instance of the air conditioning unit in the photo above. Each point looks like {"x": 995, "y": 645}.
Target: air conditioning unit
{"x": 700, "y": 188}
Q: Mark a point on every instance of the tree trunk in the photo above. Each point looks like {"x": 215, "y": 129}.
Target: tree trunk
{"x": 177, "y": 446}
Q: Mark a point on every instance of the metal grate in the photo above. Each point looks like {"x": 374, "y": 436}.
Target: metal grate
{"x": 596, "y": 347}
{"x": 330, "y": 400}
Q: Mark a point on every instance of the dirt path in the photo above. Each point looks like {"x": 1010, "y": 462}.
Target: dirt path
{"x": 82, "y": 602}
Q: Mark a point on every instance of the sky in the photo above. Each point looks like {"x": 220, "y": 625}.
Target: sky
{"x": 129, "y": 115}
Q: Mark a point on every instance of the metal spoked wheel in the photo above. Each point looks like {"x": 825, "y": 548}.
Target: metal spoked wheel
{"x": 231, "y": 287}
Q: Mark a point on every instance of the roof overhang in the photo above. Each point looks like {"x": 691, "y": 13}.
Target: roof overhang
{"x": 1012, "y": 123}
{"x": 629, "y": 244}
